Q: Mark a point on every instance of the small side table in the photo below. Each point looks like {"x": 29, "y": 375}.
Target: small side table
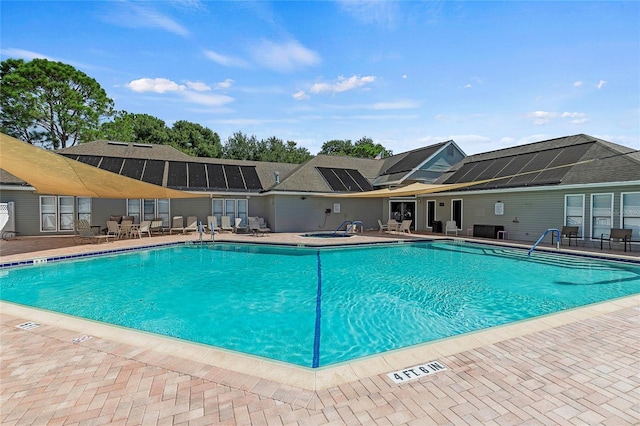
{"x": 469, "y": 232}
{"x": 505, "y": 235}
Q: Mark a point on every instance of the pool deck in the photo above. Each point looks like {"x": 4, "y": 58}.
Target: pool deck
{"x": 577, "y": 367}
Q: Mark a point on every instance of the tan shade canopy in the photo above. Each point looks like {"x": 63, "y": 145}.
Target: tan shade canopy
{"x": 407, "y": 191}
{"x": 55, "y": 174}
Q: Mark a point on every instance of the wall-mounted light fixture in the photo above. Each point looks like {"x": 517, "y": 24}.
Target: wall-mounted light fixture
{"x": 303, "y": 198}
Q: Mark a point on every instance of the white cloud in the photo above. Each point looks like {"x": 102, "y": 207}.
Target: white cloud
{"x": 300, "y": 95}
{"x": 24, "y": 54}
{"x": 156, "y": 85}
{"x": 191, "y": 92}
{"x": 578, "y": 84}
{"x": 283, "y": 57}
{"x": 141, "y": 15}
{"x": 342, "y": 84}
{"x": 224, "y": 84}
{"x": 600, "y": 84}
{"x": 373, "y": 11}
{"x": 404, "y": 76}
{"x": 227, "y": 61}
{"x": 544, "y": 117}
{"x": 198, "y": 86}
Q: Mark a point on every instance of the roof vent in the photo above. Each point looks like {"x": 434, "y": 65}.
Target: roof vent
{"x": 118, "y": 143}
{"x": 277, "y": 176}
{"x": 143, "y": 145}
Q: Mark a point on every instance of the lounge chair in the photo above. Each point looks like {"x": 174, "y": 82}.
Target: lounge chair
{"x": 225, "y": 224}
{"x": 451, "y": 226}
{"x": 212, "y": 224}
{"x": 155, "y": 227}
{"x": 192, "y": 224}
{"x": 382, "y": 227}
{"x": 177, "y": 225}
{"x": 255, "y": 228}
{"x": 239, "y": 227}
{"x": 83, "y": 231}
{"x": 393, "y": 226}
{"x": 405, "y": 226}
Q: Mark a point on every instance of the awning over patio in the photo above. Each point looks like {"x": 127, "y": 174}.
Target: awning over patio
{"x": 54, "y": 174}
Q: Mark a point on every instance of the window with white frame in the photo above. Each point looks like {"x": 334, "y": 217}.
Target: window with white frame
{"x": 84, "y": 208}
{"x": 57, "y": 213}
{"x": 574, "y": 211}
{"x": 149, "y": 209}
{"x": 630, "y": 213}
{"x": 601, "y": 214}
{"x": 231, "y": 207}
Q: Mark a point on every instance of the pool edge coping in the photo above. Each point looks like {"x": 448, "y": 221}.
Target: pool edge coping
{"x": 303, "y": 377}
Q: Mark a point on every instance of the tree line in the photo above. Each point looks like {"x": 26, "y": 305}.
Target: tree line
{"x": 54, "y": 105}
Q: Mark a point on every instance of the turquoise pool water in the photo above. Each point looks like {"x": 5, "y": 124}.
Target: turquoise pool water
{"x": 317, "y": 307}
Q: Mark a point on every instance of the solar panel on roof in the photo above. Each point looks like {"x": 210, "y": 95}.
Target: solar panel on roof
{"x": 197, "y": 175}
{"x": 234, "y": 178}
{"x": 460, "y": 175}
{"x": 473, "y": 174}
{"x": 153, "y": 172}
{"x": 540, "y": 161}
{"x": 412, "y": 160}
{"x": 334, "y": 182}
{"x": 92, "y": 160}
{"x": 112, "y": 164}
{"x": 518, "y": 163}
{"x": 133, "y": 168}
{"x": 347, "y": 180}
{"x": 217, "y": 178}
{"x": 177, "y": 174}
{"x": 569, "y": 155}
{"x": 251, "y": 178}
{"x": 362, "y": 182}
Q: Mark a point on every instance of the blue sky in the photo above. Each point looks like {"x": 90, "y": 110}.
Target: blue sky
{"x": 407, "y": 74}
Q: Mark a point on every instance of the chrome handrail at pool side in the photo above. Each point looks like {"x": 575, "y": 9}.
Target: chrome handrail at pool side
{"x": 544, "y": 234}
{"x": 351, "y": 225}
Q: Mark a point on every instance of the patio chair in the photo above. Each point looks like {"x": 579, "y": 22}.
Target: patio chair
{"x": 568, "y": 232}
{"x": 225, "y": 224}
{"x": 113, "y": 229}
{"x": 177, "y": 225}
{"x": 192, "y": 224}
{"x": 212, "y": 224}
{"x": 451, "y": 226}
{"x": 83, "y": 231}
{"x": 393, "y": 226}
{"x": 382, "y": 227}
{"x": 144, "y": 228}
{"x": 255, "y": 228}
{"x": 125, "y": 229}
{"x": 617, "y": 235}
{"x": 405, "y": 226}
{"x": 263, "y": 225}
{"x": 239, "y": 227}
{"x": 155, "y": 226}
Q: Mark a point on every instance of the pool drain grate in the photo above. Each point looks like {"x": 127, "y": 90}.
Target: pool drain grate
{"x": 413, "y": 373}
{"x": 28, "y": 325}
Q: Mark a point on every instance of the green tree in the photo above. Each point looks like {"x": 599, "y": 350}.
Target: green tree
{"x": 50, "y": 102}
{"x": 275, "y": 150}
{"x": 241, "y": 147}
{"x": 366, "y": 148}
{"x": 196, "y": 140}
{"x": 337, "y": 147}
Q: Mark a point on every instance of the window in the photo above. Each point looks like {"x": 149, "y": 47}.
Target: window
{"x": 230, "y": 207}
{"x": 431, "y": 213}
{"x": 574, "y": 211}
{"x": 601, "y": 214}
{"x": 56, "y": 213}
{"x": 84, "y": 208}
{"x": 133, "y": 209}
{"x": 149, "y": 209}
{"x": 630, "y": 213}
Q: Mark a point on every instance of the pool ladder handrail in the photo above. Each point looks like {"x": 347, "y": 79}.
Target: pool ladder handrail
{"x": 544, "y": 234}
{"x": 351, "y": 225}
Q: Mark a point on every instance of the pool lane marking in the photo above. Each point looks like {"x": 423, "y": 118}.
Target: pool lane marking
{"x": 316, "y": 335}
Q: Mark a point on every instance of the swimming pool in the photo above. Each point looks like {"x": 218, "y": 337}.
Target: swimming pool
{"x": 317, "y": 307}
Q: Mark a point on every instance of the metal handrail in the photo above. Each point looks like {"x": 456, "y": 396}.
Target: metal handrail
{"x": 544, "y": 235}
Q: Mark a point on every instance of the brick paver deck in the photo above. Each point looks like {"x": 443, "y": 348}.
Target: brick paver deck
{"x": 581, "y": 372}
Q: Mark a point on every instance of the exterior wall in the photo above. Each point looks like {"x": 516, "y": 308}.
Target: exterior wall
{"x": 527, "y": 214}
{"x": 27, "y": 210}
{"x": 295, "y": 213}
